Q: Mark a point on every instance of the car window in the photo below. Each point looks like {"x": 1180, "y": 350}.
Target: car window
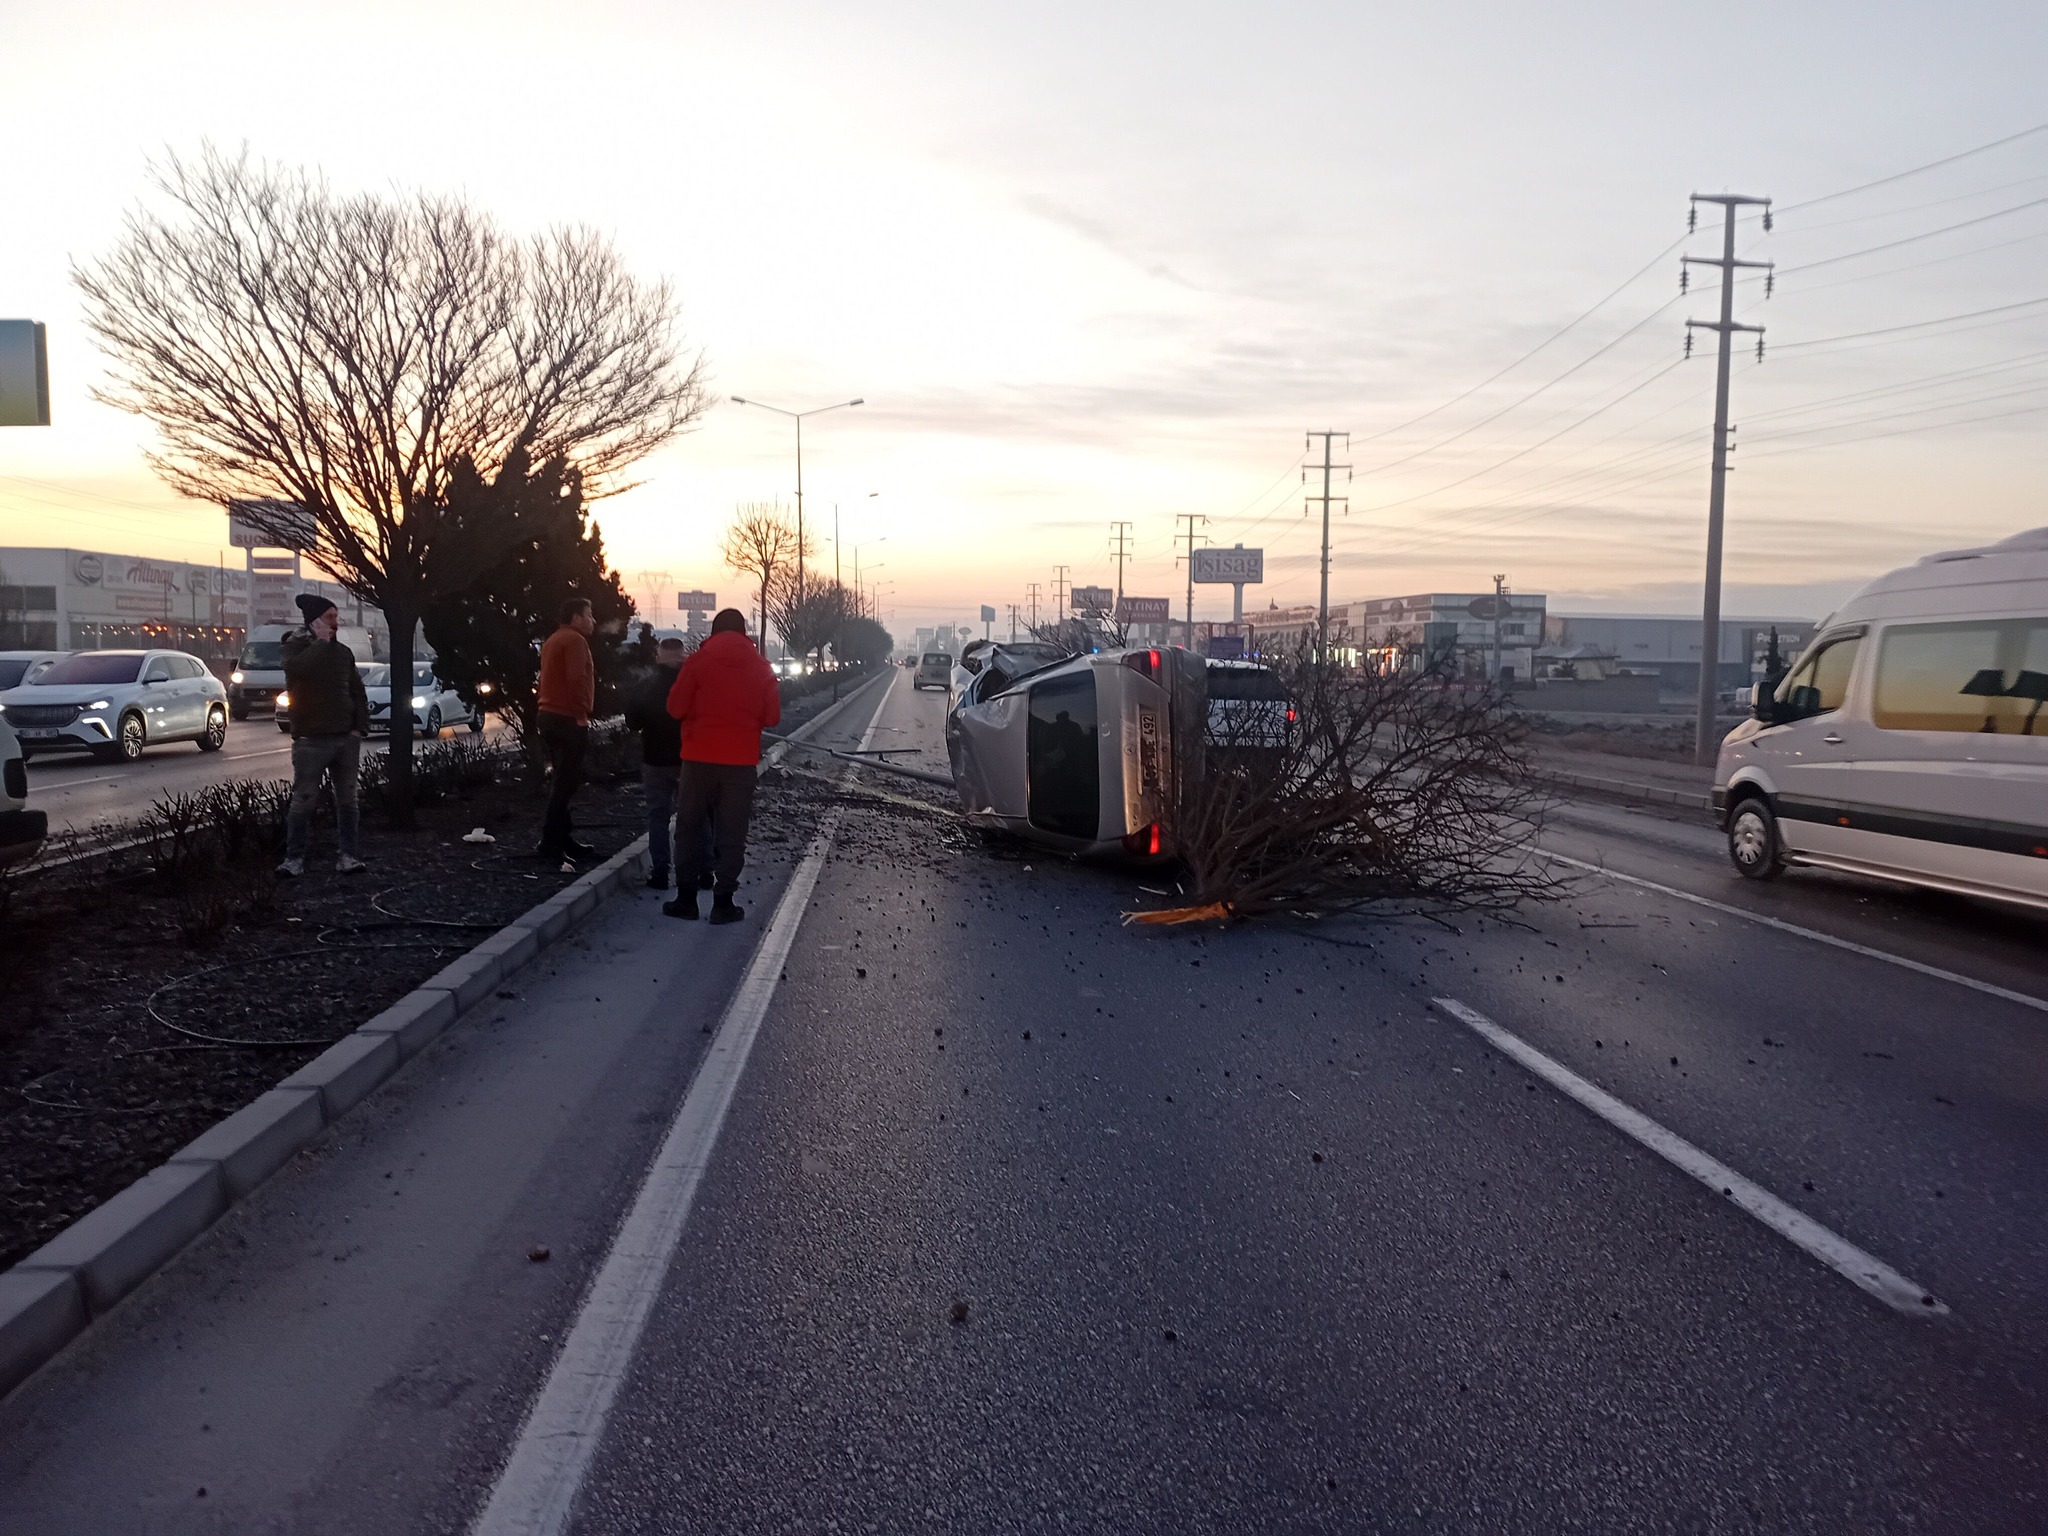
{"x": 158, "y": 670}
{"x": 11, "y": 672}
{"x": 1061, "y": 760}
{"x": 94, "y": 667}
{"x": 1820, "y": 683}
{"x": 187, "y": 666}
{"x": 375, "y": 676}
{"x": 1985, "y": 677}
{"x": 423, "y": 677}
{"x": 1245, "y": 683}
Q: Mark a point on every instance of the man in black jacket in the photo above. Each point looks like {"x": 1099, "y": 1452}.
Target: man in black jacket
{"x": 330, "y": 719}
{"x": 660, "y": 753}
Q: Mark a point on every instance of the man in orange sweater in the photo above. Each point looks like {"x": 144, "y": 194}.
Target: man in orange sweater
{"x": 568, "y": 690}
{"x": 725, "y": 696}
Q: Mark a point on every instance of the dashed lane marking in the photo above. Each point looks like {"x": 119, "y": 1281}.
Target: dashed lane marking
{"x": 1860, "y": 1269}
{"x": 536, "y": 1493}
{"x": 2025, "y": 1000}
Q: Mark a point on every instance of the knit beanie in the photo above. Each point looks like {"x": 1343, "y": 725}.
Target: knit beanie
{"x": 312, "y": 605}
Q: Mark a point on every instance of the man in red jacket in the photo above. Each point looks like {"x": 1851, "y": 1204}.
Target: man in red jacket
{"x": 725, "y": 696}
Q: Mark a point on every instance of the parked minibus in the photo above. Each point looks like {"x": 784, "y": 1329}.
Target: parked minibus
{"x": 1910, "y": 740}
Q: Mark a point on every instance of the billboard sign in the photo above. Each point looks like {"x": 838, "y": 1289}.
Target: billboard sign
{"x": 1229, "y": 566}
{"x": 24, "y": 374}
{"x": 270, "y": 524}
{"x": 1144, "y": 610}
{"x": 696, "y": 602}
{"x": 1226, "y": 647}
{"x": 1093, "y": 599}
{"x": 988, "y": 614}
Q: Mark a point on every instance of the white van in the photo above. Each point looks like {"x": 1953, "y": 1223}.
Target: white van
{"x": 258, "y": 677}
{"x": 1911, "y": 740}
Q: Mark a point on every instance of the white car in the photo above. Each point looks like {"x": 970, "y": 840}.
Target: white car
{"x": 113, "y": 704}
{"x": 435, "y": 703}
{"x": 21, "y": 830}
{"x": 18, "y": 667}
{"x": 1910, "y": 741}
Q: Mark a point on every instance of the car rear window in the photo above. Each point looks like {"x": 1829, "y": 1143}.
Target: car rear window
{"x": 1244, "y": 683}
{"x": 1061, "y": 760}
{"x": 937, "y": 659}
{"x": 94, "y": 667}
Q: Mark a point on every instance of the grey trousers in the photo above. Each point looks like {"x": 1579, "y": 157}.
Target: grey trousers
{"x": 723, "y": 794}
{"x": 315, "y": 758}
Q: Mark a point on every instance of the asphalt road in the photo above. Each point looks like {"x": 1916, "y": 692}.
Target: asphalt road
{"x": 77, "y": 791}
{"x": 1019, "y": 1219}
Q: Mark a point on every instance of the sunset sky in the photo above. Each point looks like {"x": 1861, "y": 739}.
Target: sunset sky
{"x": 1089, "y": 262}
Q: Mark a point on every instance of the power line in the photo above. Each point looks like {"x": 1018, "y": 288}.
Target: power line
{"x": 1932, "y": 165}
{"x": 1872, "y": 250}
{"x": 1917, "y": 325}
{"x": 1894, "y": 213}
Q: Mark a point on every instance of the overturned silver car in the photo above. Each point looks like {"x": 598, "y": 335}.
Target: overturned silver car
{"x": 1092, "y": 754}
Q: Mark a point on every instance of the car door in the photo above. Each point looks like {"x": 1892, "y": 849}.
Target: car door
{"x": 162, "y": 708}
{"x": 1809, "y": 757}
{"x": 189, "y": 676}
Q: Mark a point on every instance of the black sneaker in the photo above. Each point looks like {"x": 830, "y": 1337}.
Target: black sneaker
{"x": 723, "y": 910}
{"x": 658, "y": 881}
{"x": 685, "y": 907}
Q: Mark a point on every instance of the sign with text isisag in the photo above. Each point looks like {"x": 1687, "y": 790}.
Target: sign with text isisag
{"x": 1093, "y": 599}
{"x": 24, "y": 374}
{"x": 988, "y": 614}
{"x": 696, "y": 602}
{"x": 270, "y": 525}
{"x": 1144, "y": 610}
{"x": 1229, "y": 566}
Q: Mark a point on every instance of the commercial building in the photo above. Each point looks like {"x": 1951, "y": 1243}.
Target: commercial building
{"x": 1455, "y": 632}
{"x": 82, "y": 599}
{"x": 1664, "y": 646}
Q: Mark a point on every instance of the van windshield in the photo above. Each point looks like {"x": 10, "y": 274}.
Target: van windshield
{"x": 1061, "y": 761}
{"x": 263, "y": 655}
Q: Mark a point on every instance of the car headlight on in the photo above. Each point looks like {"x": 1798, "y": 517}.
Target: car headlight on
{"x": 284, "y": 701}
{"x": 483, "y": 687}
{"x": 235, "y": 677}
{"x": 100, "y": 704}
{"x": 418, "y": 702}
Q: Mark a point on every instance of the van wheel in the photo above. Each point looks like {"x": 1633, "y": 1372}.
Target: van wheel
{"x": 1753, "y": 844}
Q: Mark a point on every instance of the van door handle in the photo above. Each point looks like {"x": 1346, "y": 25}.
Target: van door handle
{"x": 1832, "y": 739}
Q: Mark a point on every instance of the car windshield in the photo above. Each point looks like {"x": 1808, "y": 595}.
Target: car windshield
{"x": 11, "y": 670}
{"x": 93, "y": 667}
{"x": 263, "y": 655}
{"x": 375, "y": 677}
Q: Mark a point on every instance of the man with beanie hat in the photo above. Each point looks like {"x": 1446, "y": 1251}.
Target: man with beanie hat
{"x": 330, "y": 719}
{"x": 724, "y": 696}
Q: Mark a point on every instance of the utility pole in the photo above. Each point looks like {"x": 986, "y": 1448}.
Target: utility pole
{"x": 1013, "y": 623}
{"x": 1031, "y": 595}
{"x": 1500, "y": 603}
{"x": 1120, "y": 547}
{"x": 1190, "y": 518}
{"x": 1060, "y": 587}
{"x": 1705, "y": 744}
{"x": 1328, "y": 468}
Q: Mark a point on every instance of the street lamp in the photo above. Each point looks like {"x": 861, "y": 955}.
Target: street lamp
{"x": 798, "y": 418}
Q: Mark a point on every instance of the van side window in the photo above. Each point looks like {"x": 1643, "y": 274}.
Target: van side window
{"x": 1820, "y": 683}
{"x": 1983, "y": 677}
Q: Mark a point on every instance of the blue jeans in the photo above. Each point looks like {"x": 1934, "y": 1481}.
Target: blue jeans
{"x": 315, "y": 758}
{"x": 658, "y": 786}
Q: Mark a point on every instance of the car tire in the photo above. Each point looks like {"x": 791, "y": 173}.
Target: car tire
{"x": 434, "y": 723}
{"x": 476, "y": 722}
{"x": 1754, "y": 847}
{"x": 216, "y": 734}
{"x": 132, "y": 736}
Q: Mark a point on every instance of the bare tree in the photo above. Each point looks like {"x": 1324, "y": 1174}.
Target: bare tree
{"x": 761, "y": 543}
{"x": 808, "y": 616}
{"x": 345, "y": 353}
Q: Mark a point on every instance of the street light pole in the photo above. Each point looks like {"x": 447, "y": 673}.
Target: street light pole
{"x": 798, "y": 418}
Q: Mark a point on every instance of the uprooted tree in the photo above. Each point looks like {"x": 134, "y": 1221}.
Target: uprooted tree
{"x": 330, "y": 359}
{"x": 1382, "y": 787}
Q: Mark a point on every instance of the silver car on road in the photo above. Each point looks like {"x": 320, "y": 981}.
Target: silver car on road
{"x": 113, "y": 704}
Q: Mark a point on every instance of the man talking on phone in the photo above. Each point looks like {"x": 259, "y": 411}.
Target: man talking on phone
{"x": 330, "y": 720}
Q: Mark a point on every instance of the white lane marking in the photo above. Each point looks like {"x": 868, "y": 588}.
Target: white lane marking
{"x": 2024, "y": 999}
{"x": 536, "y": 1492}
{"x": 1838, "y": 1253}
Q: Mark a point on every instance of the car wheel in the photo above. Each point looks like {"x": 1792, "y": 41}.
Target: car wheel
{"x": 476, "y": 722}
{"x": 216, "y": 731}
{"x": 130, "y": 738}
{"x": 434, "y": 723}
{"x": 1753, "y": 844}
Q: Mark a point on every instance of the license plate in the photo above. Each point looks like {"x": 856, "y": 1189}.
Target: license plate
{"x": 36, "y": 733}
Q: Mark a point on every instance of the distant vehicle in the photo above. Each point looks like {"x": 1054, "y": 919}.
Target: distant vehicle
{"x": 18, "y": 667}
{"x": 21, "y": 830}
{"x": 935, "y": 670}
{"x": 1910, "y": 741}
{"x": 1249, "y": 710}
{"x": 1087, "y": 755}
{"x": 258, "y": 676}
{"x": 115, "y": 703}
{"x": 435, "y": 703}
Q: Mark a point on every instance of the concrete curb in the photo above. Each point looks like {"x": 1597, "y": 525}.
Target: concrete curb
{"x": 1623, "y": 789}
{"x": 53, "y": 1295}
